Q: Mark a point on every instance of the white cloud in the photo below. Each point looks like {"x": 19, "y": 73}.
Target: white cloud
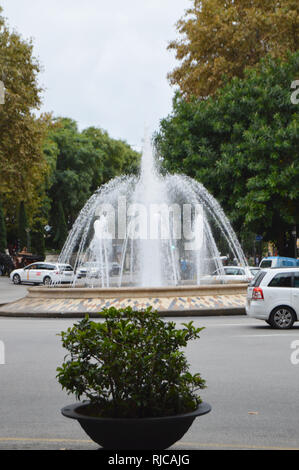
{"x": 105, "y": 62}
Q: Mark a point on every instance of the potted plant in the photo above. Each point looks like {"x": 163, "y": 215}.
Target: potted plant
{"x": 130, "y": 368}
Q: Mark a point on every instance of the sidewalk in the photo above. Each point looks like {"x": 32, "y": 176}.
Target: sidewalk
{"x": 9, "y": 292}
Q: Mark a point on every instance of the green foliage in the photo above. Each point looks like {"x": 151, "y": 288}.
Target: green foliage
{"x": 3, "y": 241}
{"x": 22, "y": 163}
{"x": 242, "y": 144}
{"x": 84, "y": 161}
{"x": 116, "y": 157}
{"x": 131, "y": 365}
{"x": 61, "y": 231}
{"x": 22, "y": 226}
{"x": 220, "y": 38}
{"x": 45, "y": 160}
{"x": 38, "y": 240}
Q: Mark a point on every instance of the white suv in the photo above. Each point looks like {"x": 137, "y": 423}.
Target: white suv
{"x": 43, "y": 273}
{"x": 273, "y": 296}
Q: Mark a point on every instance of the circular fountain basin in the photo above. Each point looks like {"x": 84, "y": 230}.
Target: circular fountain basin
{"x": 220, "y": 299}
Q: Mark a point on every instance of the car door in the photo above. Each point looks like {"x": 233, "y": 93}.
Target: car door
{"x": 39, "y": 273}
{"x": 295, "y": 294}
{"x": 30, "y": 273}
{"x": 279, "y": 290}
{"x": 24, "y": 274}
{"x": 67, "y": 273}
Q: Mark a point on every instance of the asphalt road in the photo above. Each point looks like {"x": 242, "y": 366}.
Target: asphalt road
{"x": 9, "y": 292}
{"x": 252, "y": 386}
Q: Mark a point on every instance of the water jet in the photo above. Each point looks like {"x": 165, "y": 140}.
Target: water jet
{"x": 166, "y": 234}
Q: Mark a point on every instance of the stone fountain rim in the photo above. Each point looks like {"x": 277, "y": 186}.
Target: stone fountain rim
{"x": 137, "y": 292}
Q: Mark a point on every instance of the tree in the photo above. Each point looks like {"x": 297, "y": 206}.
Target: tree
{"x": 38, "y": 239}
{"x": 72, "y": 180}
{"x": 22, "y": 163}
{"x": 116, "y": 157}
{"x": 61, "y": 231}
{"x": 242, "y": 144}
{"x": 23, "y": 233}
{"x": 3, "y": 241}
{"x": 220, "y": 38}
{"x": 83, "y": 162}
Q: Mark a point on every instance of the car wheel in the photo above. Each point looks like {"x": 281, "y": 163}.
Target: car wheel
{"x": 16, "y": 279}
{"x": 47, "y": 281}
{"x": 282, "y": 318}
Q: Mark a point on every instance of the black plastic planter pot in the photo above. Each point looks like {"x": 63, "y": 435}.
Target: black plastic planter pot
{"x": 134, "y": 434}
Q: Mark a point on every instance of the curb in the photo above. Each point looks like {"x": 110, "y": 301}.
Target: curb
{"x": 175, "y": 313}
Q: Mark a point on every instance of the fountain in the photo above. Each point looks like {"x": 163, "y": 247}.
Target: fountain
{"x": 149, "y": 240}
{"x": 162, "y": 230}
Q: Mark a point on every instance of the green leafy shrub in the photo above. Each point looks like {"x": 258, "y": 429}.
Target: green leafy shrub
{"x": 131, "y": 365}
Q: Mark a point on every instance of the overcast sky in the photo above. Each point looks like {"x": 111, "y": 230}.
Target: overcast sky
{"x": 105, "y": 61}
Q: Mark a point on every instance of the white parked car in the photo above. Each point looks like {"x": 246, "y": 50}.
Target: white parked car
{"x": 88, "y": 269}
{"x": 43, "y": 273}
{"x": 95, "y": 270}
{"x": 230, "y": 274}
{"x": 273, "y": 296}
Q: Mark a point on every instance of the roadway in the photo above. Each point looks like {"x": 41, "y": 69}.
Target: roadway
{"x": 252, "y": 386}
{"x": 9, "y": 292}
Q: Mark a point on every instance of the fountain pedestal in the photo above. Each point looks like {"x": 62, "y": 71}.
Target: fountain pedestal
{"x": 222, "y": 299}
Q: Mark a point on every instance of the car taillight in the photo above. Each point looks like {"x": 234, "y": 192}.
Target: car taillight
{"x": 257, "y": 294}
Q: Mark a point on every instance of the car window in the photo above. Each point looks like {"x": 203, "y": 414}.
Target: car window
{"x": 50, "y": 267}
{"x": 258, "y": 279}
{"x": 45, "y": 267}
{"x": 281, "y": 280}
{"x": 231, "y": 271}
{"x": 66, "y": 268}
{"x": 296, "y": 280}
{"x": 32, "y": 266}
{"x": 266, "y": 264}
{"x": 40, "y": 267}
{"x": 287, "y": 263}
{"x": 254, "y": 272}
{"x": 27, "y": 268}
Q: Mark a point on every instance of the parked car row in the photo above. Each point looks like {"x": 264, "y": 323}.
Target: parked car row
{"x": 272, "y": 296}
{"x": 51, "y": 273}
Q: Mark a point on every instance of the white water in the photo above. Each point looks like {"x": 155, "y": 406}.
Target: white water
{"x": 125, "y": 222}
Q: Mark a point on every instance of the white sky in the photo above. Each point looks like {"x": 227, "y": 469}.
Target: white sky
{"x": 105, "y": 61}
